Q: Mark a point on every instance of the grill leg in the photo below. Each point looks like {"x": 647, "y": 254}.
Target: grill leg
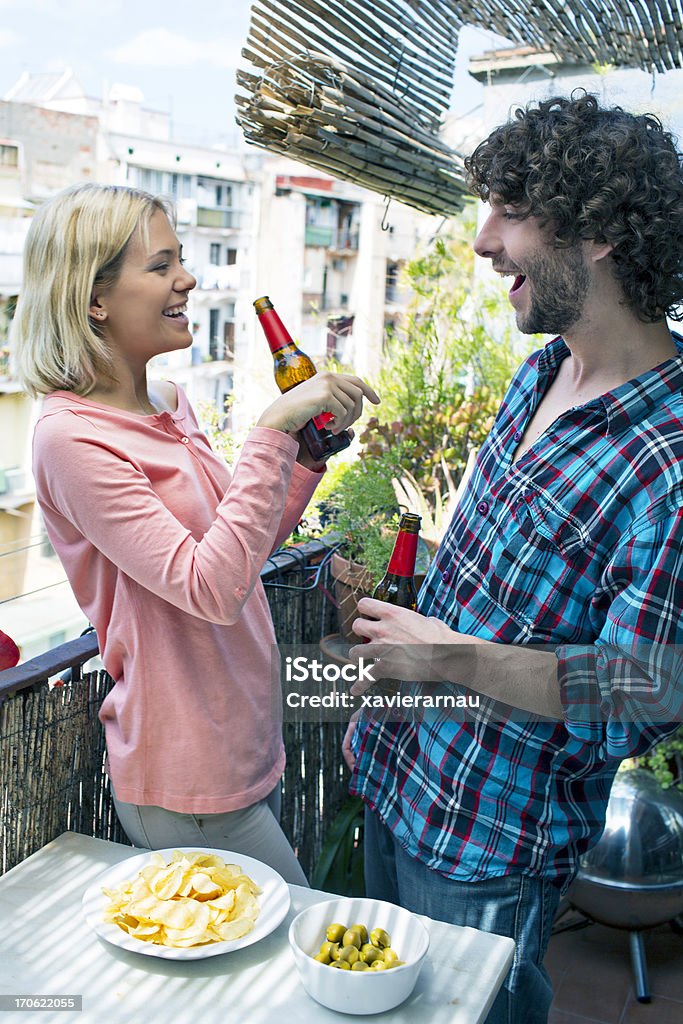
{"x": 639, "y": 965}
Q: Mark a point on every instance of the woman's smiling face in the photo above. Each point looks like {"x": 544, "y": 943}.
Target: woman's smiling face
{"x": 144, "y": 312}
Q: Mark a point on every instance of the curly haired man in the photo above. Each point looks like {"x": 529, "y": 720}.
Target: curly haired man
{"x": 556, "y": 594}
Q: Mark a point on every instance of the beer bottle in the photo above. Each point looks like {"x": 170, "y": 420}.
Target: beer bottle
{"x": 292, "y": 367}
{"x": 397, "y": 586}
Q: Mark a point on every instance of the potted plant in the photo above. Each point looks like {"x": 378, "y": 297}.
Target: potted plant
{"x": 358, "y": 507}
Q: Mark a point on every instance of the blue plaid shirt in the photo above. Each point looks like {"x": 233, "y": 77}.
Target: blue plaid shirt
{"x": 578, "y": 545}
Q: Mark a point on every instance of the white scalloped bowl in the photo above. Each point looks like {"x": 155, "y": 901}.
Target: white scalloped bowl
{"x": 358, "y": 991}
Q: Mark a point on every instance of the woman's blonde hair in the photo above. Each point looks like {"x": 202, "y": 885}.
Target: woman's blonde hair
{"x": 76, "y": 244}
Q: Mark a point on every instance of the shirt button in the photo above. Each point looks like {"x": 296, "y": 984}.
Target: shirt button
{"x": 185, "y": 440}
{"x": 517, "y": 436}
{"x": 483, "y": 507}
{"x": 447, "y": 576}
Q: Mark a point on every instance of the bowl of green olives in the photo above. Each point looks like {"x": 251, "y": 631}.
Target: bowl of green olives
{"x": 358, "y": 955}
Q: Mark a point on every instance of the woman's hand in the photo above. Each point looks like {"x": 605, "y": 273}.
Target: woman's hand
{"x": 338, "y": 393}
{"x": 305, "y": 459}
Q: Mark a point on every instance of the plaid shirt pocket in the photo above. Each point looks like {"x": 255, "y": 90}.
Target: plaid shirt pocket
{"x": 537, "y": 547}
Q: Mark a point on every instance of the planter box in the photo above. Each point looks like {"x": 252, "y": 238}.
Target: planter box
{"x": 351, "y": 582}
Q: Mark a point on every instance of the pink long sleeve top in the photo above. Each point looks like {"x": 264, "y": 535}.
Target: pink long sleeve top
{"x": 163, "y": 548}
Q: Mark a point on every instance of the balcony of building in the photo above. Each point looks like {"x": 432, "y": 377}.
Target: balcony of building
{"x": 332, "y": 224}
{"x": 225, "y": 219}
{"x": 341, "y": 241}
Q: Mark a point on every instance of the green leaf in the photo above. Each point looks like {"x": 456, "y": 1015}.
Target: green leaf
{"x": 340, "y": 867}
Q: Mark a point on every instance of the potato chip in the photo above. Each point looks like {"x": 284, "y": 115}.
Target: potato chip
{"x": 193, "y": 900}
{"x": 234, "y": 929}
{"x": 166, "y": 882}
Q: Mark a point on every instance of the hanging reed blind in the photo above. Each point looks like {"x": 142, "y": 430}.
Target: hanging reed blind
{"x": 359, "y": 88}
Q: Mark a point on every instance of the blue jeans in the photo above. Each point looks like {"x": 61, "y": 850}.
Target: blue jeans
{"x": 516, "y": 905}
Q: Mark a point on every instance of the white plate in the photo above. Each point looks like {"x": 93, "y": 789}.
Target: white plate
{"x": 274, "y": 901}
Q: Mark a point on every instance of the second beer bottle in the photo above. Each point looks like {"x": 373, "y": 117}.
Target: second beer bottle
{"x": 292, "y": 367}
{"x": 397, "y": 586}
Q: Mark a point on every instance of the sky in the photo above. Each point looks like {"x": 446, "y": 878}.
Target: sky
{"x": 181, "y": 55}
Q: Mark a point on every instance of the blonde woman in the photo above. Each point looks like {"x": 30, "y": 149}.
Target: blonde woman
{"x": 162, "y": 546}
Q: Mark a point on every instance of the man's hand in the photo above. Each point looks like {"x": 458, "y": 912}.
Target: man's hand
{"x": 347, "y": 752}
{"x": 413, "y": 647}
{"x": 409, "y": 645}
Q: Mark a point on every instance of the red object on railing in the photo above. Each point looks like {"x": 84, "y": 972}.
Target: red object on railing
{"x": 9, "y": 652}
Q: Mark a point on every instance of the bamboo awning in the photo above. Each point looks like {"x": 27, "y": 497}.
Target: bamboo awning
{"x": 359, "y": 88}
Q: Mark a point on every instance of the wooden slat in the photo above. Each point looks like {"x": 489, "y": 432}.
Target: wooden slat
{"x": 379, "y": 41}
{"x": 293, "y": 42}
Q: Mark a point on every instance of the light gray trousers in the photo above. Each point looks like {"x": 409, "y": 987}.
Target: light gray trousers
{"x": 253, "y": 831}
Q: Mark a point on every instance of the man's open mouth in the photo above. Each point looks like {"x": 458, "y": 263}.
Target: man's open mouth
{"x": 517, "y": 283}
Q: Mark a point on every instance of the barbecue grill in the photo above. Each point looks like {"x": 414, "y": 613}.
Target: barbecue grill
{"x": 633, "y": 877}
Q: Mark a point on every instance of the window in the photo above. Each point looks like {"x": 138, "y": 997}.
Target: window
{"x": 231, "y": 257}
{"x": 223, "y": 195}
{"x": 214, "y": 254}
{"x": 214, "y": 327}
{"x": 228, "y": 339}
{"x": 9, "y": 156}
{"x": 391, "y": 281}
{"x": 165, "y": 183}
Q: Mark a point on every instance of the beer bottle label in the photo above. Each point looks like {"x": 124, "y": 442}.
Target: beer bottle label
{"x": 402, "y": 561}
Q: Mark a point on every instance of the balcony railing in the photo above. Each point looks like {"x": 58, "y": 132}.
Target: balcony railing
{"x": 213, "y": 217}
{"x": 52, "y": 752}
{"x": 319, "y": 236}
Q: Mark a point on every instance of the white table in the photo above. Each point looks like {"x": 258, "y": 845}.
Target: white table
{"x": 47, "y": 948}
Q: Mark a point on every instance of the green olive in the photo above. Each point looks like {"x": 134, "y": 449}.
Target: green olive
{"x": 349, "y": 948}
{"x": 349, "y": 953}
{"x": 380, "y": 938}
{"x": 370, "y": 953}
{"x": 335, "y": 932}
{"x": 352, "y": 937}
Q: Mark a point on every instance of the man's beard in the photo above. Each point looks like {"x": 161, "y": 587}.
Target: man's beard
{"x": 561, "y": 281}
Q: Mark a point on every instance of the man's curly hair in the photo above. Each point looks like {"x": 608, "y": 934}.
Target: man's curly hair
{"x": 601, "y": 174}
